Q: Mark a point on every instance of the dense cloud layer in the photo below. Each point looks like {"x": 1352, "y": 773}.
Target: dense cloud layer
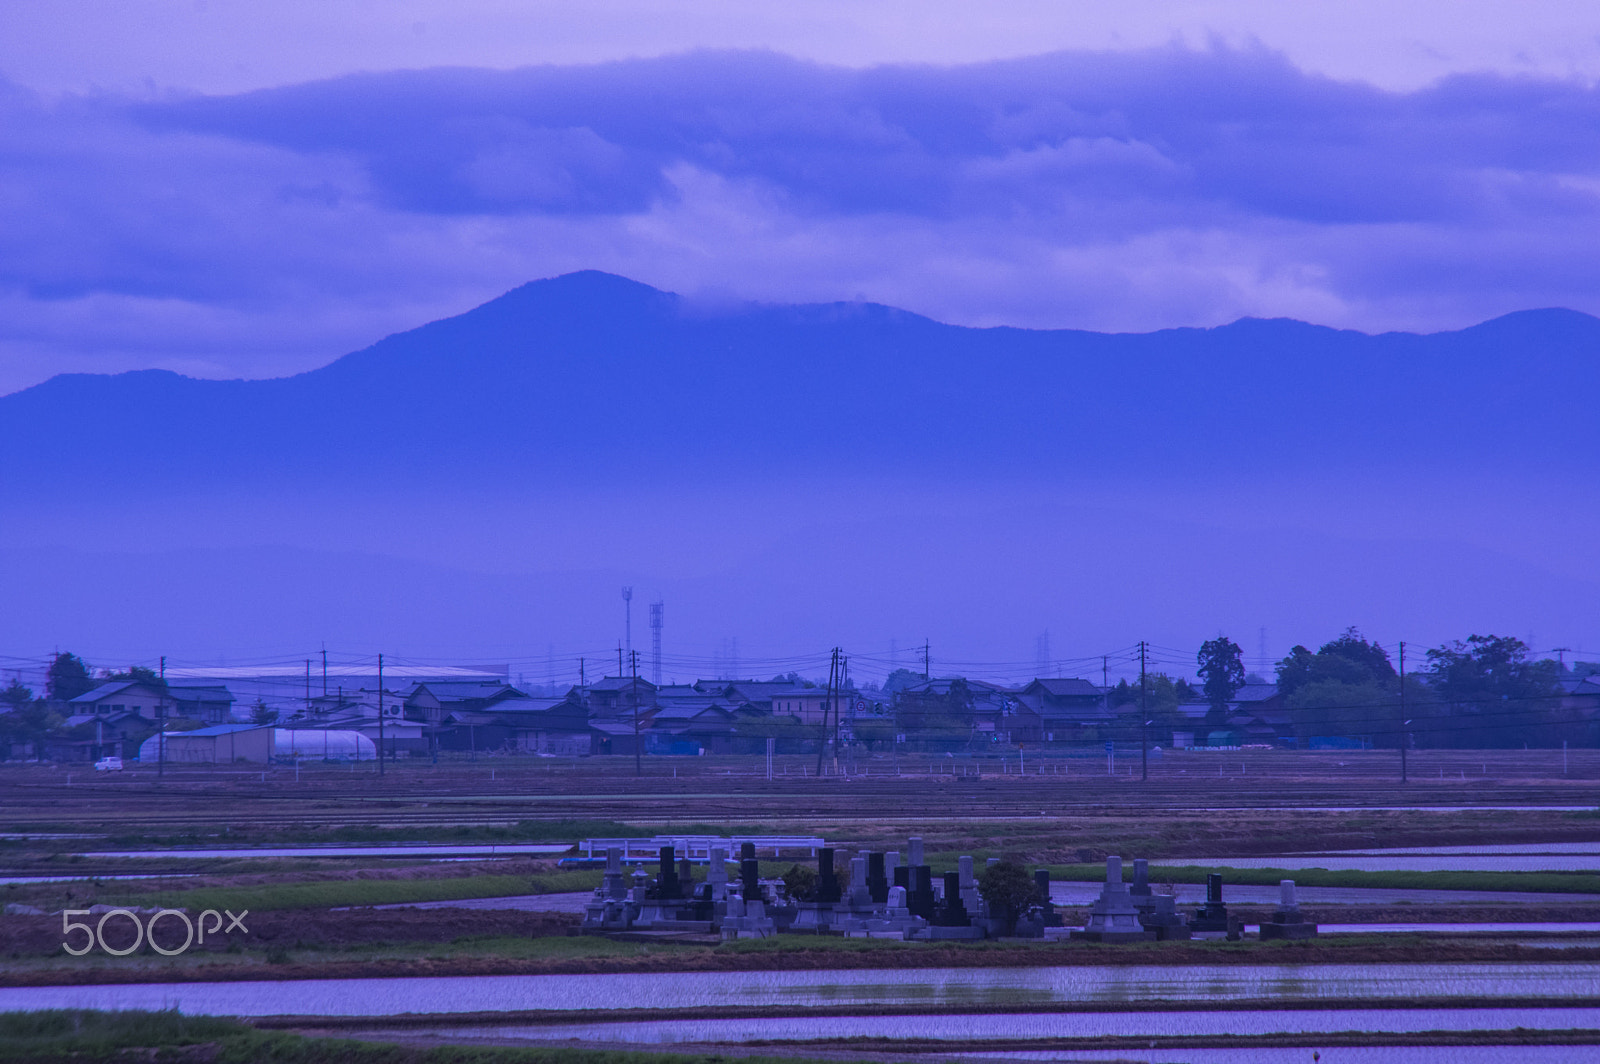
{"x": 267, "y": 232}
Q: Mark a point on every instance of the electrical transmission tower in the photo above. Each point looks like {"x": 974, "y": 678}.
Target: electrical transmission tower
{"x": 627, "y": 623}
{"x": 655, "y": 642}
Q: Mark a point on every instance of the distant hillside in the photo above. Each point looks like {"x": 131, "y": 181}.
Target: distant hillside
{"x": 592, "y": 377}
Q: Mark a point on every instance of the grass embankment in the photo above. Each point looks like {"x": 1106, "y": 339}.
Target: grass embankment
{"x": 567, "y": 830}
{"x": 353, "y": 893}
{"x": 1529, "y": 882}
{"x": 88, "y": 1037}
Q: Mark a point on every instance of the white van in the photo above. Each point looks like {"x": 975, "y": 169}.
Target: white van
{"x": 108, "y": 764}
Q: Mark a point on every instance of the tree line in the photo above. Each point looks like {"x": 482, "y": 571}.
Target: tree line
{"x": 1486, "y": 691}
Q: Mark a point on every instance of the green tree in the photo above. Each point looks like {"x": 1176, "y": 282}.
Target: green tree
{"x": 136, "y": 674}
{"x": 899, "y": 680}
{"x": 15, "y": 695}
{"x": 1347, "y": 688}
{"x": 1222, "y": 668}
{"x": 67, "y": 678}
{"x": 800, "y": 882}
{"x": 1495, "y": 694}
{"x": 262, "y": 715}
{"x": 29, "y": 724}
{"x": 874, "y": 730}
{"x": 1163, "y": 695}
{"x": 1349, "y": 659}
{"x": 1008, "y": 889}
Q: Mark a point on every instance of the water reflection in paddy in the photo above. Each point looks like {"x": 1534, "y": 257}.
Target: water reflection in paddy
{"x": 1027, "y": 1026}
{"x": 1301, "y": 1055}
{"x": 965, "y": 986}
{"x": 1420, "y": 862}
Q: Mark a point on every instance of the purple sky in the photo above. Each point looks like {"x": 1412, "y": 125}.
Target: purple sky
{"x": 1374, "y": 166}
{"x": 232, "y": 189}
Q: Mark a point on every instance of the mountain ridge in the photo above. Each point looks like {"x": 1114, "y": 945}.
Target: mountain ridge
{"x": 572, "y": 377}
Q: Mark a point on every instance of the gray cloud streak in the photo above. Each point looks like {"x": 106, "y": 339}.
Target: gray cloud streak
{"x": 267, "y": 232}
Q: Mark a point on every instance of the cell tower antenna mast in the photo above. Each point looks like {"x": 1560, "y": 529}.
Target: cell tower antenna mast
{"x": 627, "y": 619}
{"x": 655, "y": 642}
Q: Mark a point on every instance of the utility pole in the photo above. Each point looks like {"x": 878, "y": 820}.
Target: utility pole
{"x": 638, "y": 761}
{"x": 622, "y": 669}
{"x": 1144, "y": 716}
{"x": 324, "y": 672}
{"x": 925, "y": 659}
{"x": 1561, "y": 657}
{"x": 163, "y": 666}
{"x": 380, "y": 714}
{"x": 1403, "y": 721}
{"x": 583, "y": 677}
{"x": 308, "y": 687}
{"x": 839, "y": 695}
{"x": 822, "y": 736}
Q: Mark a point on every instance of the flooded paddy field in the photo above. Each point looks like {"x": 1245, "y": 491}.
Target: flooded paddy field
{"x": 507, "y": 790}
{"x": 1008, "y": 1028}
{"x": 1451, "y": 862}
{"x": 333, "y": 856}
{"x": 967, "y": 987}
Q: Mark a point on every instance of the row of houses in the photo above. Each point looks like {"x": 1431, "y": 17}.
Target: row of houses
{"x": 621, "y": 715}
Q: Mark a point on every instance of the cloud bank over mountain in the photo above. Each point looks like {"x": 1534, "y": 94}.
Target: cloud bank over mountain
{"x": 265, "y": 233}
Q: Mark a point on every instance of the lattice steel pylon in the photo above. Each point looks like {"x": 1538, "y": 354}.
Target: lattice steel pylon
{"x": 655, "y": 642}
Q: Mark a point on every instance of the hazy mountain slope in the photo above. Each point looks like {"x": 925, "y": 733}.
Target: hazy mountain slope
{"x": 590, "y": 375}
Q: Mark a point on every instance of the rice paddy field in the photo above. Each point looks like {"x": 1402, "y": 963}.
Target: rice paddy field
{"x": 1461, "y": 910}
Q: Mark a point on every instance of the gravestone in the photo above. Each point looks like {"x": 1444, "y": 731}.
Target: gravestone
{"x": 667, "y": 886}
{"x": 610, "y": 909}
{"x": 615, "y": 883}
{"x": 1114, "y": 917}
{"x": 920, "y": 899}
{"x": 750, "y": 880}
{"x": 1212, "y": 917}
{"x": 717, "y": 874}
{"x": 1139, "y": 889}
{"x": 860, "y": 895}
{"x": 1048, "y": 916}
{"x": 1286, "y": 920}
{"x": 970, "y": 897}
{"x": 877, "y": 881}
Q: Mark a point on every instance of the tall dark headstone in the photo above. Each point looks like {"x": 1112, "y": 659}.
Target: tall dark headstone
{"x": 1140, "y": 890}
{"x": 828, "y": 891}
{"x": 877, "y": 881}
{"x": 920, "y": 900}
{"x": 747, "y": 852}
{"x": 750, "y": 874}
{"x": 686, "y": 877}
{"x": 953, "y": 913}
{"x": 667, "y": 881}
{"x": 1213, "y": 915}
{"x": 1047, "y": 908}
{"x": 902, "y": 877}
